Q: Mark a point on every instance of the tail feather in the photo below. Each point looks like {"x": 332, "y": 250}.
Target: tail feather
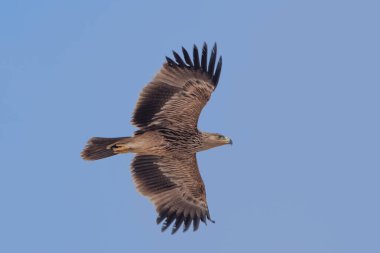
{"x": 99, "y": 148}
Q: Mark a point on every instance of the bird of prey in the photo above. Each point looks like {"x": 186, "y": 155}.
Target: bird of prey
{"x": 165, "y": 167}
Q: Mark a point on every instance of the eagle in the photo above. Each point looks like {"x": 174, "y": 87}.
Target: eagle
{"x": 165, "y": 167}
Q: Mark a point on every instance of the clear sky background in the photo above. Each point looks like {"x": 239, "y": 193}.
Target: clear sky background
{"x": 299, "y": 94}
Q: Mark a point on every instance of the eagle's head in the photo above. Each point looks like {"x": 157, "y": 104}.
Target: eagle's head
{"x": 211, "y": 140}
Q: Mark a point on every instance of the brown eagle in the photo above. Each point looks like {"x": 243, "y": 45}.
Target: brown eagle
{"x": 165, "y": 167}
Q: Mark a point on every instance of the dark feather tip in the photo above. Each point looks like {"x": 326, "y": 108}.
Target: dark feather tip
{"x": 170, "y": 62}
{"x": 211, "y": 65}
{"x": 196, "y": 223}
{"x": 216, "y": 76}
{"x": 209, "y": 218}
{"x": 203, "y": 219}
{"x": 196, "y": 58}
{"x": 178, "y": 59}
{"x": 187, "y": 223}
{"x": 168, "y": 222}
{"x": 187, "y": 57}
{"x": 177, "y": 223}
{"x": 204, "y": 57}
{"x": 163, "y": 214}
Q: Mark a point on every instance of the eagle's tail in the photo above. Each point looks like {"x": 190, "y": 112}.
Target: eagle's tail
{"x": 99, "y": 148}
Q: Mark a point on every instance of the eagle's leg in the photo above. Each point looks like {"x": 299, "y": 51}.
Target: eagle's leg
{"x": 121, "y": 149}
{"x": 122, "y": 146}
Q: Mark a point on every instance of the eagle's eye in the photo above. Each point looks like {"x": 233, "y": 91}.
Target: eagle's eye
{"x": 221, "y": 137}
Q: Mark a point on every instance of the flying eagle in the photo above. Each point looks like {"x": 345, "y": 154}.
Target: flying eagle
{"x": 165, "y": 166}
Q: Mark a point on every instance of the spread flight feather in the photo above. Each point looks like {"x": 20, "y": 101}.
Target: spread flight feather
{"x": 165, "y": 167}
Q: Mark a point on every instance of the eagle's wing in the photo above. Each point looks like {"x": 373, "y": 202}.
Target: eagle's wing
{"x": 177, "y": 94}
{"x": 175, "y": 187}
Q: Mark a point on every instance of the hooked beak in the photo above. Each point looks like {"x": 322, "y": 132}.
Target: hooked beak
{"x": 229, "y": 141}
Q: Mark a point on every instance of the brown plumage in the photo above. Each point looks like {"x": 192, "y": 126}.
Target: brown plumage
{"x": 165, "y": 167}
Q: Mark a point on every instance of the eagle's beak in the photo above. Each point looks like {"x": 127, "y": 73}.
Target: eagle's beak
{"x": 229, "y": 141}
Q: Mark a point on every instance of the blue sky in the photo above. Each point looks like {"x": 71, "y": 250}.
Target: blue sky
{"x": 298, "y": 94}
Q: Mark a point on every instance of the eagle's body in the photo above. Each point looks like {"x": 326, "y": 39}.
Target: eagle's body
{"x": 165, "y": 167}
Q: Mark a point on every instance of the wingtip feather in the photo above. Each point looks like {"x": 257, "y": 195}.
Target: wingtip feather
{"x": 170, "y": 62}
{"x": 211, "y": 64}
{"x": 178, "y": 59}
{"x": 199, "y": 61}
{"x": 196, "y": 57}
{"x": 187, "y": 57}
{"x": 204, "y": 57}
{"x": 215, "y": 78}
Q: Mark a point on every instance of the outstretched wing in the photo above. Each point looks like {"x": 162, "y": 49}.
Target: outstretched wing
{"x": 175, "y": 187}
{"x": 176, "y": 95}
